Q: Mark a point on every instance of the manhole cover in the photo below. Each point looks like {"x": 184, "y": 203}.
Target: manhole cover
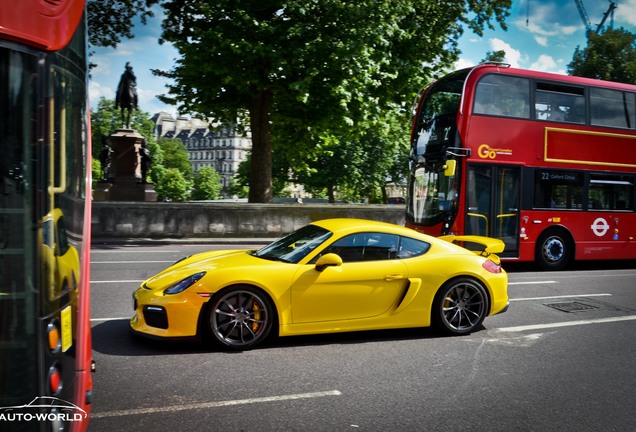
{"x": 573, "y": 306}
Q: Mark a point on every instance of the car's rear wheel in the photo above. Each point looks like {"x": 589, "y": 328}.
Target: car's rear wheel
{"x": 460, "y": 306}
{"x": 240, "y": 318}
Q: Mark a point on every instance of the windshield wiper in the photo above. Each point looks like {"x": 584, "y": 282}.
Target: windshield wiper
{"x": 272, "y": 257}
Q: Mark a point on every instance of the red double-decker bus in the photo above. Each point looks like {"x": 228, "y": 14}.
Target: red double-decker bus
{"x": 545, "y": 162}
{"x": 45, "y": 207}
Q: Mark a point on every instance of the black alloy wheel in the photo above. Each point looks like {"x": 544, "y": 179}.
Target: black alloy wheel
{"x": 240, "y": 317}
{"x": 460, "y": 306}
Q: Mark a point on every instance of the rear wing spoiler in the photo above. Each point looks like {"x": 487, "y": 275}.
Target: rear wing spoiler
{"x": 479, "y": 244}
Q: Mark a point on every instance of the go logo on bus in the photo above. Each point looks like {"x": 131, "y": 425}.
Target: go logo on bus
{"x": 486, "y": 152}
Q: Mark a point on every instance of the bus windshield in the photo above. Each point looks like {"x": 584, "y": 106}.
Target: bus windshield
{"x": 434, "y": 194}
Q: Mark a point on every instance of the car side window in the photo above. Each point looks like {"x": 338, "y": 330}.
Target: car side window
{"x": 410, "y": 247}
{"x": 365, "y": 247}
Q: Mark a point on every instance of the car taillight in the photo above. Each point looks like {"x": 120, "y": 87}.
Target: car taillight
{"x": 491, "y": 266}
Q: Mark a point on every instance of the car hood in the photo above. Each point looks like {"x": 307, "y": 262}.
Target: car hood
{"x": 206, "y": 261}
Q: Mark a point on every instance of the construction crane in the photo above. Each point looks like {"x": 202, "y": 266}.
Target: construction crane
{"x": 586, "y": 19}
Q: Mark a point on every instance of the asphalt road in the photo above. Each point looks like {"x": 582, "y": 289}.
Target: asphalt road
{"x": 538, "y": 367}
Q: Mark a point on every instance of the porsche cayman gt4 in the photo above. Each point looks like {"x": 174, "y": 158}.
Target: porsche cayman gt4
{"x": 335, "y": 275}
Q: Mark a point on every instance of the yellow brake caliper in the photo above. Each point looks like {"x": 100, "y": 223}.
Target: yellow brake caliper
{"x": 257, "y": 316}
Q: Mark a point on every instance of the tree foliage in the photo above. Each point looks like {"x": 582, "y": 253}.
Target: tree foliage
{"x": 610, "y": 55}
{"x": 310, "y": 70}
{"x": 498, "y": 56}
{"x": 173, "y": 185}
{"x": 111, "y": 20}
{"x": 207, "y": 184}
{"x": 176, "y": 156}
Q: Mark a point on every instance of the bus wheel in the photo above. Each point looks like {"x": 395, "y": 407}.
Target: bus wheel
{"x": 554, "y": 250}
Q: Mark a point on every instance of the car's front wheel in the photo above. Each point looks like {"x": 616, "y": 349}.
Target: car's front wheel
{"x": 460, "y": 306}
{"x": 240, "y": 318}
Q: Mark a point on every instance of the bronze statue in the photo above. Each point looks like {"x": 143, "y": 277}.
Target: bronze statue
{"x": 106, "y": 158}
{"x": 146, "y": 161}
{"x": 126, "y": 98}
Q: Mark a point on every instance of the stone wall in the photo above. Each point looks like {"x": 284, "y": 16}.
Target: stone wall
{"x": 210, "y": 220}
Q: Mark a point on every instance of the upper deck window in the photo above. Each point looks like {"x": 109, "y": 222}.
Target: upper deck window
{"x": 560, "y": 103}
{"x": 613, "y": 108}
{"x": 503, "y": 95}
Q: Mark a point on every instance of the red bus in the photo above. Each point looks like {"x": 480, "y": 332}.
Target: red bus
{"x": 45, "y": 213}
{"x": 545, "y": 162}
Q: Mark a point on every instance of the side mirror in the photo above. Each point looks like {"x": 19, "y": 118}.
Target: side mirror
{"x": 449, "y": 167}
{"x": 328, "y": 260}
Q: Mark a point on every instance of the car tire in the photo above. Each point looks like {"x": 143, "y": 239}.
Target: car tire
{"x": 240, "y": 318}
{"x": 460, "y": 306}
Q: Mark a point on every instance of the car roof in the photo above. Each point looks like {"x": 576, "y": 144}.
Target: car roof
{"x": 351, "y": 225}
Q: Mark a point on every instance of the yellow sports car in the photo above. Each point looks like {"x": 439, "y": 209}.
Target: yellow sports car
{"x": 335, "y": 275}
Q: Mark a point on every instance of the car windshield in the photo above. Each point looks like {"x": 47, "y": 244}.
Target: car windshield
{"x": 295, "y": 246}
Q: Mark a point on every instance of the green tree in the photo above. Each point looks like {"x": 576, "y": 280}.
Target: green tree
{"x": 354, "y": 165}
{"x": 239, "y": 185}
{"x": 610, "y": 55}
{"x": 309, "y": 66}
{"x": 110, "y": 20}
{"x": 207, "y": 184}
{"x": 498, "y": 56}
{"x": 173, "y": 186}
{"x": 176, "y": 156}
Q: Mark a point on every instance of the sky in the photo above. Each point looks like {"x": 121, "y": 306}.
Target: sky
{"x": 542, "y": 35}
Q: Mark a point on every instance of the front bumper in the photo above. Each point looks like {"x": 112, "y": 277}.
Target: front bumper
{"x": 166, "y": 316}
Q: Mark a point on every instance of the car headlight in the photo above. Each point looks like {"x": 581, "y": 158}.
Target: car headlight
{"x": 183, "y": 284}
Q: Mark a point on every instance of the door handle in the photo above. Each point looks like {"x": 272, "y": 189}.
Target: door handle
{"x": 393, "y": 276}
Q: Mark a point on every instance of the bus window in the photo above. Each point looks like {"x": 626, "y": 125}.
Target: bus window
{"x": 611, "y": 192}
{"x": 613, "y": 108}
{"x": 558, "y": 189}
{"x": 560, "y": 103}
{"x": 503, "y": 95}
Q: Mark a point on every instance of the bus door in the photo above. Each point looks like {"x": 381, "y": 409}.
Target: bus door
{"x": 493, "y": 195}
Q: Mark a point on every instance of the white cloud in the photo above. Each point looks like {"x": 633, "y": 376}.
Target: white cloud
{"x": 513, "y": 56}
{"x": 149, "y": 103}
{"x": 541, "y": 40}
{"x": 625, "y": 13}
{"x": 97, "y": 91}
{"x": 546, "y": 63}
{"x": 463, "y": 63}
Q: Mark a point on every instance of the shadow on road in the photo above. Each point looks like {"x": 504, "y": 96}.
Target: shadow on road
{"x": 115, "y": 338}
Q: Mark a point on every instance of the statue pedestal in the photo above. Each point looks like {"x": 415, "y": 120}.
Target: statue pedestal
{"x": 125, "y": 182}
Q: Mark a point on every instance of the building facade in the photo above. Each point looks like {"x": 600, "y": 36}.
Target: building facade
{"x": 222, "y": 148}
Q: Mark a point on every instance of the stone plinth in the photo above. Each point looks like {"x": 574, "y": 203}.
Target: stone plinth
{"x": 125, "y": 182}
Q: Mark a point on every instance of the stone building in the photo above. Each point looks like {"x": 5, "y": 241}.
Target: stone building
{"x": 222, "y": 148}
